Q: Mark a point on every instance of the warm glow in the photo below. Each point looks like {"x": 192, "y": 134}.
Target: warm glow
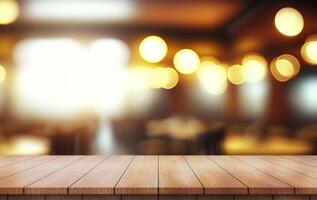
{"x": 284, "y": 67}
{"x": 213, "y": 78}
{"x": 172, "y": 78}
{"x": 57, "y": 77}
{"x": 2, "y": 73}
{"x": 235, "y": 74}
{"x": 164, "y": 77}
{"x": 9, "y": 11}
{"x": 186, "y": 61}
{"x": 289, "y": 21}
{"x": 153, "y": 49}
{"x": 253, "y": 68}
{"x": 309, "y": 50}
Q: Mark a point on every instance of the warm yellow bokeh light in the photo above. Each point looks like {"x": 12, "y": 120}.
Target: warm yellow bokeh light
{"x": 235, "y": 74}
{"x": 213, "y": 78}
{"x": 9, "y": 11}
{"x": 186, "y": 61}
{"x": 289, "y": 21}
{"x": 163, "y": 77}
{"x": 2, "y": 73}
{"x": 253, "y": 68}
{"x": 153, "y": 49}
{"x": 140, "y": 77}
{"x": 309, "y": 50}
{"x": 172, "y": 78}
{"x": 284, "y": 67}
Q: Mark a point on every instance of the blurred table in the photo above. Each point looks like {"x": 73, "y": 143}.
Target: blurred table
{"x": 241, "y": 144}
{"x": 175, "y": 127}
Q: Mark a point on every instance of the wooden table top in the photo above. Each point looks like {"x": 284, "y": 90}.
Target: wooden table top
{"x": 158, "y": 175}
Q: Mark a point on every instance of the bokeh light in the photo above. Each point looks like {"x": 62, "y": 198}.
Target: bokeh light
{"x": 309, "y": 50}
{"x": 9, "y": 11}
{"x": 213, "y": 78}
{"x": 235, "y": 75}
{"x": 289, "y": 21}
{"x": 254, "y": 68}
{"x": 164, "y": 77}
{"x": 284, "y": 67}
{"x": 153, "y": 49}
{"x": 2, "y": 73}
{"x": 186, "y": 61}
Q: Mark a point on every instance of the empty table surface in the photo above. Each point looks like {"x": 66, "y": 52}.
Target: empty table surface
{"x": 158, "y": 175}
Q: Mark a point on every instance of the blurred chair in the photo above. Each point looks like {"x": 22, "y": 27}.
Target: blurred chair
{"x": 211, "y": 139}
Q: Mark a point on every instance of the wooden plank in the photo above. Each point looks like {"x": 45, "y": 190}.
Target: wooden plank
{"x": 177, "y": 197}
{"x": 291, "y": 197}
{"x": 215, "y": 197}
{"x": 58, "y": 182}
{"x": 176, "y": 177}
{"x": 9, "y": 160}
{"x": 15, "y": 184}
{"x": 307, "y": 160}
{"x": 22, "y": 165}
{"x": 3, "y": 197}
{"x": 63, "y": 197}
{"x": 103, "y": 179}
{"x": 214, "y": 178}
{"x": 141, "y": 177}
{"x": 24, "y": 197}
{"x": 140, "y": 197}
{"x": 307, "y": 170}
{"x": 253, "y": 197}
{"x": 257, "y": 181}
{"x": 101, "y": 197}
{"x": 306, "y": 185}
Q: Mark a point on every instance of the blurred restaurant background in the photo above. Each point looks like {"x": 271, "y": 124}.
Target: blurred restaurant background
{"x": 158, "y": 77}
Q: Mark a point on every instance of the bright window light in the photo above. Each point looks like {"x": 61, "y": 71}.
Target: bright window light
{"x": 58, "y": 77}
{"x": 75, "y": 10}
{"x": 303, "y": 97}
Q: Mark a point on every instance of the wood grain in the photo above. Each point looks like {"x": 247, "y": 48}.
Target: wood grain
{"x": 140, "y": 197}
{"x": 14, "y": 184}
{"x": 307, "y": 160}
{"x": 305, "y": 169}
{"x": 214, "y": 178}
{"x": 257, "y": 181}
{"x": 21, "y": 165}
{"x": 9, "y": 160}
{"x": 215, "y": 197}
{"x": 101, "y": 197}
{"x": 141, "y": 177}
{"x": 26, "y": 197}
{"x": 176, "y": 177}
{"x": 58, "y": 182}
{"x": 103, "y": 179}
{"x": 302, "y": 184}
{"x": 291, "y": 197}
{"x": 63, "y": 197}
{"x": 253, "y": 197}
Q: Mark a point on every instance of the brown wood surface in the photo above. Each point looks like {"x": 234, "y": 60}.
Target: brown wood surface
{"x": 307, "y": 160}
{"x": 141, "y": 177}
{"x": 8, "y": 160}
{"x": 176, "y": 177}
{"x": 214, "y": 178}
{"x": 302, "y": 184}
{"x": 16, "y": 183}
{"x": 58, "y": 182}
{"x": 102, "y": 179}
{"x": 296, "y": 166}
{"x": 22, "y": 165}
{"x": 258, "y": 182}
